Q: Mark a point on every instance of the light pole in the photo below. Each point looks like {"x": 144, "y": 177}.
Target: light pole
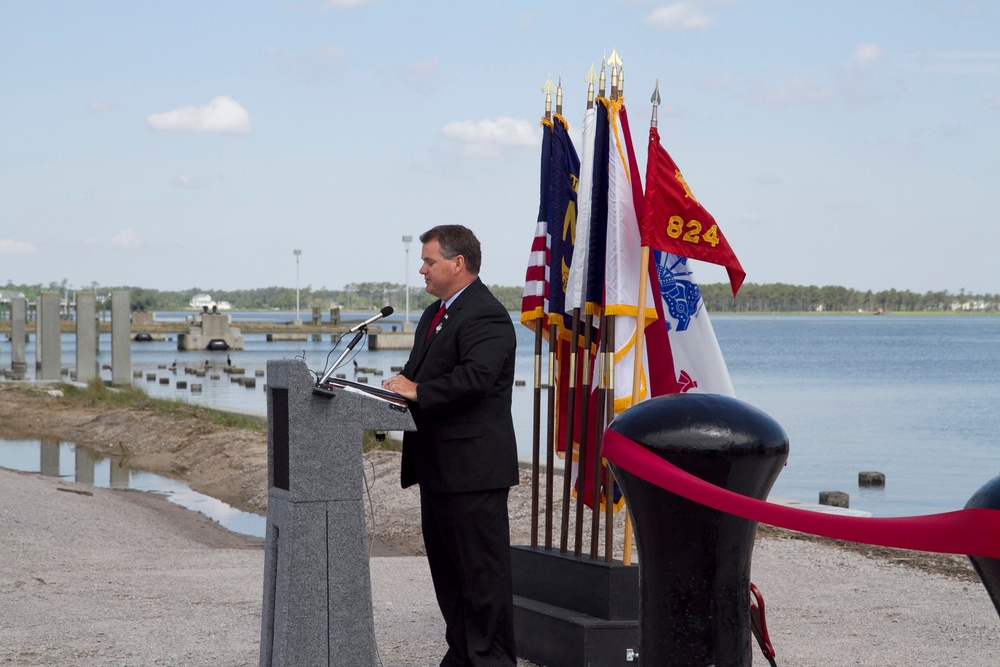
{"x": 406, "y": 245}
{"x": 298, "y": 253}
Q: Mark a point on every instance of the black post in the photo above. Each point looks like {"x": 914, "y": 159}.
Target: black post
{"x": 988, "y": 569}
{"x": 694, "y": 586}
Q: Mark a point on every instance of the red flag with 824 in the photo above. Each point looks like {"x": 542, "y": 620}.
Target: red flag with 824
{"x": 676, "y": 222}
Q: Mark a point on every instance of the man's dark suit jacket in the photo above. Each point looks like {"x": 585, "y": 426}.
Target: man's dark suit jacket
{"x": 465, "y": 434}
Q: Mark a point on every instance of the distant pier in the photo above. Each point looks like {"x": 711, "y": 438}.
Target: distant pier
{"x": 144, "y": 326}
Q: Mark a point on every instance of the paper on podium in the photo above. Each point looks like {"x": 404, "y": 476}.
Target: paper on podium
{"x": 333, "y": 385}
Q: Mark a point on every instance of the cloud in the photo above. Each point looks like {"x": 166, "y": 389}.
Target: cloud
{"x": 127, "y": 238}
{"x": 223, "y": 114}
{"x": 328, "y": 5}
{"x": 422, "y": 74}
{"x": 9, "y": 247}
{"x": 954, "y": 62}
{"x": 345, "y": 5}
{"x": 527, "y": 19}
{"x": 327, "y": 57}
{"x": 100, "y": 105}
{"x": 718, "y": 79}
{"x": 866, "y": 55}
{"x": 191, "y": 182}
{"x": 319, "y": 64}
{"x": 488, "y": 137}
{"x": 680, "y": 16}
{"x": 801, "y": 89}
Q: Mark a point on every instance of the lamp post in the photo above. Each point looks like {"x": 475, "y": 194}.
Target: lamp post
{"x": 406, "y": 245}
{"x": 298, "y": 253}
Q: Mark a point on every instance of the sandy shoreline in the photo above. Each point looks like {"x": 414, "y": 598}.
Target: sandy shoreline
{"x": 102, "y": 578}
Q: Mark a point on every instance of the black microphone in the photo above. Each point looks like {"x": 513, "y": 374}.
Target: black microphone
{"x": 385, "y": 312}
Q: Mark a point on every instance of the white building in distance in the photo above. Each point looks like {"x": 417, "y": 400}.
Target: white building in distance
{"x": 202, "y": 301}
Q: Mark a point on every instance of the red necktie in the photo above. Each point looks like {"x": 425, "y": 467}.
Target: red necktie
{"x": 437, "y": 318}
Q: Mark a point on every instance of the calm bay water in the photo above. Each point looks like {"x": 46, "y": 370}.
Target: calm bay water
{"x": 913, "y": 397}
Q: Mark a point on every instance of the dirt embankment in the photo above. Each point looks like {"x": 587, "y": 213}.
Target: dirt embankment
{"x": 227, "y": 463}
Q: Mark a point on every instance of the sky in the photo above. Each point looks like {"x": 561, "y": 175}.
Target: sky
{"x": 197, "y": 144}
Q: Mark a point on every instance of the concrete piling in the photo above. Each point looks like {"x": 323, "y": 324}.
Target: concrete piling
{"x": 48, "y": 337}
{"x": 86, "y": 336}
{"x": 834, "y": 499}
{"x": 19, "y": 318}
{"x": 121, "y": 339}
{"x": 871, "y": 479}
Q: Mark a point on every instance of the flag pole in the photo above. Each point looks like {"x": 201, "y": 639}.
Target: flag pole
{"x": 536, "y": 427}
{"x": 550, "y": 435}
{"x": 583, "y": 355}
{"x": 574, "y": 358}
{"x": 640, "y": 331}
{"x": 585, "y": 386}
{"x": 592, "y": 377}
{"x": 601, "y": 467}
{"x": 601, "y": 366}
{"x": 554, "y": 362}
{"x": 568, "y": 442}
{"x": 643, "y": 285}
{"x": 617, "y": 79}
{"x": 537, "y": 395}
{"x": 605, "y": 385}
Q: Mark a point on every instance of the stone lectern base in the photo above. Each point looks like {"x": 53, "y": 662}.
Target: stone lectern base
{"x": 317, "y": 602}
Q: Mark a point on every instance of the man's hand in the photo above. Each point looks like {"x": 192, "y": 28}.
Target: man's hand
{"x": 402, "y": 386}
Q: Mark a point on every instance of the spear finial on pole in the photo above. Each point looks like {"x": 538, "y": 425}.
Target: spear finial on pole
{"x": 616, "y": 64}
{"x": 559, "y": 96}
{"x": 590, "y": 79}
{"x": 603, "y": 80}
{"x": 655, "y": 100}
{"x": 548, "y": 89}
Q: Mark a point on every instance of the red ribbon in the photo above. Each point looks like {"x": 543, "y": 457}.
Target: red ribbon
{"x": 973, "y": 531}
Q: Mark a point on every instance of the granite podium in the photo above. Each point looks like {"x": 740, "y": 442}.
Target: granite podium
{"x": 317, "y": 602}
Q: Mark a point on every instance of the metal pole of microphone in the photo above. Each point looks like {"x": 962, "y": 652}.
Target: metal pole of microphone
{"x": 361, "y": 330}
{"x": 350, "y": 346}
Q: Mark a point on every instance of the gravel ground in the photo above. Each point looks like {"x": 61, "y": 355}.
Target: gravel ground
{"x": 101, "y": 578}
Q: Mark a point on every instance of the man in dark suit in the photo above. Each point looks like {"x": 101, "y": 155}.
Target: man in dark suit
{"x": 463, "y": 454}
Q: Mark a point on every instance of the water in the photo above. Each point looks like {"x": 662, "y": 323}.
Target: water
{"x": 84, "y": 466}
{"x": 913, "y": 397}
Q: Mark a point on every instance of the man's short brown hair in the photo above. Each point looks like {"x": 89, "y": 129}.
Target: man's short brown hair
{"x": 456, "y": 240}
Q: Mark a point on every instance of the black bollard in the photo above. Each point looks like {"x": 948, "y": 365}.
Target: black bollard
{"x": 988, "y": 569}
{"x": 694, "y": 562}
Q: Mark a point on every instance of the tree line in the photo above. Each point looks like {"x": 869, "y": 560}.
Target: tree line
{"x": 371, "y": 296}
{"x": 782, "y": 298}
